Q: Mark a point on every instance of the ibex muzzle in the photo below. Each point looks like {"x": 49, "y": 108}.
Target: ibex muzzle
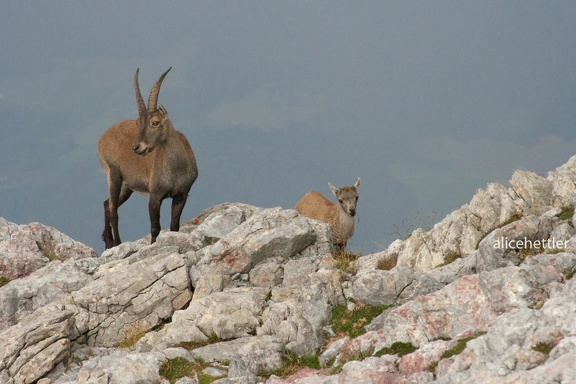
{"x": 347, "y": 197}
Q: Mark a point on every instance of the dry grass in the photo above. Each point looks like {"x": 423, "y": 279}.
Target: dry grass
{"x": 346, "y": 260}
{"x": 387, "y": 263}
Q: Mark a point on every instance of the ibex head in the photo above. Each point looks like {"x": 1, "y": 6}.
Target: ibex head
{"x": 153, "y": 122}
{"x": 347, "y": 197}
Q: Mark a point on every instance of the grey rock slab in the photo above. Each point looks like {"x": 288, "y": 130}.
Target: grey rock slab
{"x": 269, "y": 234}
{"x": 396, "y": 285}
{"x": 48, "y": 284}
{"x": 130, "y": 299}
{"x": 514, "y": 287}
{"x": 502, "y": 248}
{"x": 31, "y": 348}
{"x": 257, "y": 355}
{"x": 233, "y": 313}
{"x": 116, "y": 367}
{"x": 26, "y": 248}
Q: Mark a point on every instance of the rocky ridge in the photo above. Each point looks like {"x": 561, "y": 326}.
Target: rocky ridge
{"x": 487, "y": 295}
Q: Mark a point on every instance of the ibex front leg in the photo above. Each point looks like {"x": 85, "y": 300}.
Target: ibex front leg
{"x": 178, "y": 203}
{"x": 154, "y": 210}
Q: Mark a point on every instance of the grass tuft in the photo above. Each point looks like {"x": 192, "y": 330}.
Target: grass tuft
{"x": 292, "y": 363}
{"x": 566, "y": 214}
{"x": 544, "y": 348}
{"x": 131, "y": 338}
{"x": 405, "y": 229}
{"x": 174, "y": 369}
{"x": 460, "y": 345}
{"x": 4, "y": 281}
{"x": 51, "y": 255}
{"x": 191, "y": 345}
{"x": 398, "y": 348}
{"x": 449, "y": 258}
{"x": 387, "y": 263}
{"x": 345, "y": 261}
{"x": 352, "y": 323}
{"x": 456, "y": 350}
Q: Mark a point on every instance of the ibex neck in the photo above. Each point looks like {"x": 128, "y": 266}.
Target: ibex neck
{"x": 345, "y": 228}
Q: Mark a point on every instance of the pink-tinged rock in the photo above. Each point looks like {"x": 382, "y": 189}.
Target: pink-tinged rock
{"x": 26, "y": 248}
{"x": 307, "y": 373}
{"x": 444, "y": 366}
{"x": 459, "y": 307}
{"x": 424, "y": 357}
{"x": 371, "y": 370}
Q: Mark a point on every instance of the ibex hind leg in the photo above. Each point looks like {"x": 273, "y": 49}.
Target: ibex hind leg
{"x": 107, "y": 234}
{"x": 111, "y": 234}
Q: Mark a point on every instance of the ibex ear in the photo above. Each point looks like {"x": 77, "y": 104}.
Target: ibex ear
{"x": 334, "y": 189}
{"x": 357, "y": 184}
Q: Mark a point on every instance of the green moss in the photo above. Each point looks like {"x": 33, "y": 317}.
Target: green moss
{"x": 432, "y": 367}
{"x": 173, "y": 369}
{"x": 456, "y": 350}
{"x": 398, "y": 348}
{"x": 544, "y": 348}
{"x": 351, "y": 323}
{"x": 460, "y": 346}
{"x": 132, "y": 337}
{"x": 566, "y": 214}
{"x": 292, "y": 363}
{"x": 4, "y": 281}
{"x": 176, "y": 368}
{"x": 190, "y": 345}
{"x": 449, "y": 258}
{"x": 51, "y": 255}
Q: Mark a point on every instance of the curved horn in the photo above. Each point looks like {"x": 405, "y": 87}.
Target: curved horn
{"x": 153, "y": 99}
{"x": 139, "y": 99}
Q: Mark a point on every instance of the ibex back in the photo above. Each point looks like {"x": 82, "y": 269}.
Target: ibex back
{"x": 147, "y": 156}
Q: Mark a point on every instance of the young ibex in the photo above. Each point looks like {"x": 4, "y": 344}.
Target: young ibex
{"x": 146, "y": 156}
{"x": 340, "y": 216}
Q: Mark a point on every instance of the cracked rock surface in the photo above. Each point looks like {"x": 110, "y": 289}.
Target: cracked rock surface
{"x": 240, "y": 288}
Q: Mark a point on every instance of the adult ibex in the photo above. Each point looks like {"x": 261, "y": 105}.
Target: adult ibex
{"x": 146, "y": 156}
{"x": 340, "y": 216}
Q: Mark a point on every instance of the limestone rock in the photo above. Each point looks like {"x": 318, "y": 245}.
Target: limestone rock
{"x": 26, "y": 248}
{"x": 240, "y": 287}
{"x": 130, "y": 299}
{"x": 271, "y": 233}
{"x": 46, "y": 285}
{"x": 395, "y": 286}
{"x": 31, "y": 348}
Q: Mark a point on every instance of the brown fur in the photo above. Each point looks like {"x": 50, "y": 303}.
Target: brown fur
{"x": 152, "y": 159}
{"x": 339, "y": 215}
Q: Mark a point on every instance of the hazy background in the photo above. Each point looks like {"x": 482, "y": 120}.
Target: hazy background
{"x": 426, "y": 101}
